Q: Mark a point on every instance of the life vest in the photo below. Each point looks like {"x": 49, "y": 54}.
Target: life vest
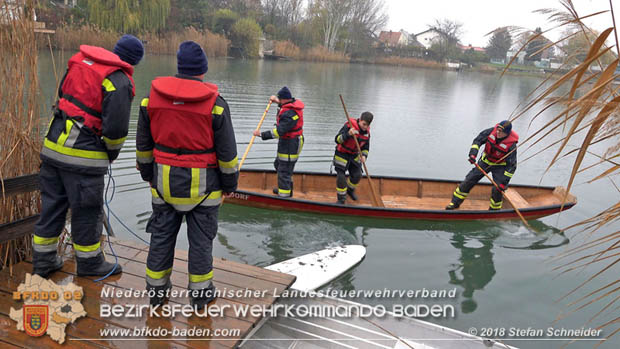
{"x": 81, "y": 89}
{"x": 180, "y": 111}
{"x": 349, "y": 146}
{"x": 496, "y": 151}
{"x": 298, "y": 107}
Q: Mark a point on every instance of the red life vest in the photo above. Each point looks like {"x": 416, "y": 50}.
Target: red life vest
{"x": 180, "y": 111}
{"x": 348, "y": 146}
{"x": 81, "y": 90}
{"x": 298, "y": 107}
{"x": 495, "y": 151}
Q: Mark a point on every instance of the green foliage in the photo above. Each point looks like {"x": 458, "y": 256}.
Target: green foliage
{"x": 190, "y": 13}
{"x": 223, "y": 21}
{"x": 472, "y": 57}
{"x": 128, "y": 16}
{"x": 532, "y": 50}
{"x": 499, "y": 44}
{"x": 246, "y": 33}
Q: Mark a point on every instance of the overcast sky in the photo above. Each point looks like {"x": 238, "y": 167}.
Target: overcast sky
{"x": 482, "y": 16}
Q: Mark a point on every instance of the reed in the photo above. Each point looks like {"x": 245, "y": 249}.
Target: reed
{"x": 70, "y": 38}
{"x": 321, "y": 54}
{"x": 589, "y": 112}
{"x": 20, "y": 134}
{"x": 409, "y": 62}
{"x": 287, "y": 49}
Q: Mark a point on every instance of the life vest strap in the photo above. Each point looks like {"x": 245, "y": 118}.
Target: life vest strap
{"x": 181, "y": 151}
{"x": 81, "y": 105}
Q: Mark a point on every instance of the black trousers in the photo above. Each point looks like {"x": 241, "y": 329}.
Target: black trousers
{"x": 164, "y": 226}
{"x": 344, "y": 162}
{"x": 285, "y": 170}
{"x": 474, "y": 176}
{"x": 62, "y": 189}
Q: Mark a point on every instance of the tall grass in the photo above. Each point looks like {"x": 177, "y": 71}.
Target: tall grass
{"x": 287, "y": 49}
{"x": 70, "y": 38}
{"x": 589, "y": 113}
{"x": 409, "y": 62}
{"x": 322, "y": 54}
{"x": 20, "y": 134}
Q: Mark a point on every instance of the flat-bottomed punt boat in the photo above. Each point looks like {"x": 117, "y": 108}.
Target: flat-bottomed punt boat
{"x": 404, "y": 198}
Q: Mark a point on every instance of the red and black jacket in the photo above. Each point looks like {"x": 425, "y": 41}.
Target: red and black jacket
{"x": 181, "y": 121}
{"x": 295, "y": 127}
{"x": 81, "y": 96}
{"x": 346, "y": 143}
{"x": 496, "y": 149}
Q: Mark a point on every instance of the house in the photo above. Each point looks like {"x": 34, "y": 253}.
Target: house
{"x": 428, "y": 37}
{"x": 470, "y": 47}
{"x": 520, "y": 57}
{"x": 394, "y": 39}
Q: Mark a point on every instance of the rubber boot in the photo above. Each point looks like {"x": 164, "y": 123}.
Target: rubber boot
{"x": 452, "y": 206}
{"x": 351, "y": 193}
{"x": 202, "y": 297}
{"x": 159, "y": 296}
{"x": 96, "y": 266}
{"x": 45, "y": 263}
{"x": 342, "y": 199}
{"x": 275, "y": 191}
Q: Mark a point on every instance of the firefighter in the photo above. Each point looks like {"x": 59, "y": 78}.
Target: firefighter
{"x": 346, "y": 156}
{"x": 186, "y": 150}
{"x": 289, "y": 131}
{"x": 87, "y": 131}
{"x": 499, "y": 158}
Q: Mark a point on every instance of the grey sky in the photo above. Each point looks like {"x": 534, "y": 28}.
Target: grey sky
{"x": 482, "y": 16}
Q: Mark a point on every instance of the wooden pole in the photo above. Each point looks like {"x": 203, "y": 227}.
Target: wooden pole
{"x": 506, "y": 196}
{"x": 247, "y": 149}
{"x": 375, "y": 198}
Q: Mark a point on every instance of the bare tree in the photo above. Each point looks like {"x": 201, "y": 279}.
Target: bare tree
{"x": 332, "y": 15}
{"x": 367, "y": 18}
{"x": 449, "y": 36}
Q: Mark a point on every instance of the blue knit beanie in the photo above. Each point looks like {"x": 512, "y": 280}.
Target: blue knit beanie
{"x": 285, "y": 93}
{"x": 129, "y": 49}
{"x": 505, "y": 126}
{"x": 191, "y": 59}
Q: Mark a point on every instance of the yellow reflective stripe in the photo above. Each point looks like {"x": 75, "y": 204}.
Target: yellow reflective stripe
{"x": 62, "y": 139}
{"x": 114, "y": 141}
{"x": 508, "y": 174}
{"x": 108, "y": 85}
{"x": 275, "y": 133}
{"x": 295, "y": 117}
{"x": 339, "y": 139}
{"x": 460, "y": 192}
{"x": 341, "y": 189}
{"x": 228, "y": 164}
{"x": 458, "y": 195}
{"x": 195, "y": 183}
{"x": 145, "y": 102}
{"x": 87, "y": 248}
{"x": 144, "y": 154}
{"x": 192, "y": 201}
{"x": 154, "y": 192}
{"x": 340, "y": 159}
{"x": 166, "y": 181}
{"x": 292, "y": 156}
{"x": 89, "y": 154}
{"x": 44, "y": 241}
{"x": 201, "y": 277}
{"x": 364, "y": 152}
{"x": 475, "y": 146}
{"x": 351, "y": 184}
{"x": 496, "y": 204}
{"x": 158, "y": 274}
{"x": 217, "y": 110}
{"x": 489, "y": 162}
{"x": 284, "y": 191}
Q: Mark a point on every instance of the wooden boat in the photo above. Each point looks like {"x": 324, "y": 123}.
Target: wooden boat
{"x": 404, "y": 198}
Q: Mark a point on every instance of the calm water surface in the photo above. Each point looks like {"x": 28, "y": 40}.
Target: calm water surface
{"x": 424, "y": 123}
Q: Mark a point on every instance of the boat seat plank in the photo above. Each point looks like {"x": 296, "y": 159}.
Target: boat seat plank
{"x": 516, "y": 199}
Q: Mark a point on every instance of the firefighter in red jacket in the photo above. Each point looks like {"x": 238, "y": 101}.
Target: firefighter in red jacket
{"x": 289, "y": 131}
{"x": 186, "y": 150}
{"x": 86, "y": 133}
{"x": 499, "y": 158}
{"x": 346, "y": 156}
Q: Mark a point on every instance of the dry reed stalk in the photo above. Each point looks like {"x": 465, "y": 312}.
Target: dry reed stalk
{"x": 287, "y": 49}
{"x": 20, "y": 136}
{"x": 589, "y": 110}
{"x": 321, "y": 54}
{"x": 410, "y": 62}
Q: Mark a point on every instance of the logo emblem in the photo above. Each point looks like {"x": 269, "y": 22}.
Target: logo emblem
{"x": 35, "y": 319}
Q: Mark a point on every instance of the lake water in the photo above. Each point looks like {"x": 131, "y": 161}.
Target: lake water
{"x": 425, "y": 121}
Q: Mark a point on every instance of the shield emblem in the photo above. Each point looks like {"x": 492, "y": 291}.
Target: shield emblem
{"x": 36, "y": 318}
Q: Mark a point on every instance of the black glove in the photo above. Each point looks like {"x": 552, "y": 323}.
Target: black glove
{"x": 472, "y": 159}
{"x": 473, "y": 154}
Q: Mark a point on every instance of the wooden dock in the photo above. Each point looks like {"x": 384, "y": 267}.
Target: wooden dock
{"x": 85, "y": 332}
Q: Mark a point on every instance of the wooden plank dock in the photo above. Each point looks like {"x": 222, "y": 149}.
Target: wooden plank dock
{"x": 85, "y": 332}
